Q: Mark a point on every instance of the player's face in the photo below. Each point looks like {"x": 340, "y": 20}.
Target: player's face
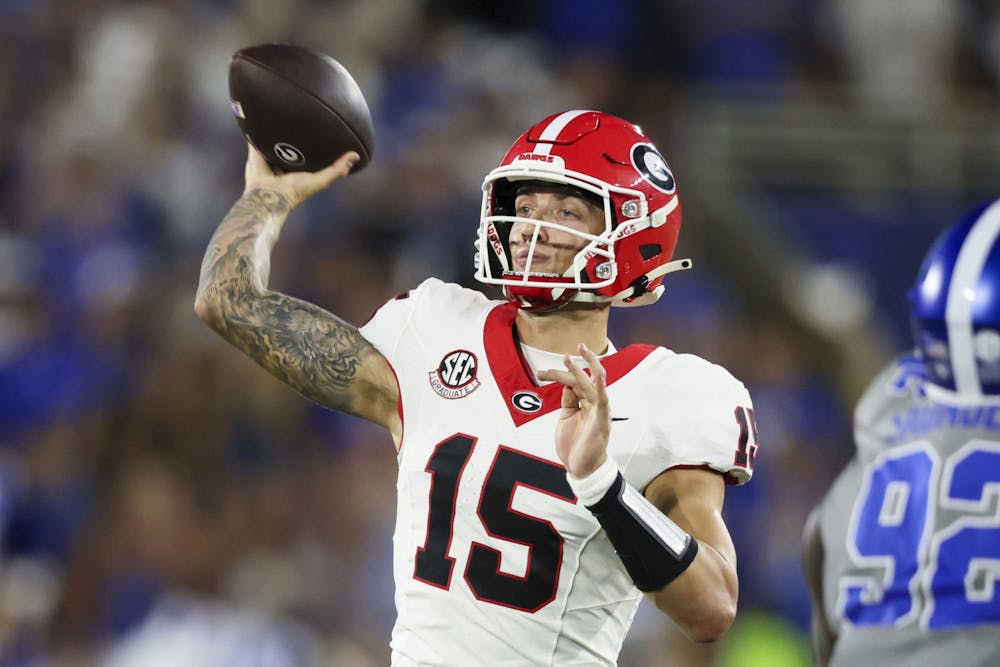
{"x": 555, "y": 248}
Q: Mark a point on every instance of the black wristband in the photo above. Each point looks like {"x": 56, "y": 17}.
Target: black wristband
{"x": 654, "y": 549}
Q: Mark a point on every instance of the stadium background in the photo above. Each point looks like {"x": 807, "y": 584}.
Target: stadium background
{"x": 164, "y": 502}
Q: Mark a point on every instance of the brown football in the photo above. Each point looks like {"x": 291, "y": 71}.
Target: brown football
{"x": 299, "y": 108}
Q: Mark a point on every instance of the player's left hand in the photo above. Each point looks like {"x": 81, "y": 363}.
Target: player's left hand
{"x": 585, "y": 418}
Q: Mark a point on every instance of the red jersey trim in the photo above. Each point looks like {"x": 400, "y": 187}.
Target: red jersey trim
{"x": 513, "y": 378}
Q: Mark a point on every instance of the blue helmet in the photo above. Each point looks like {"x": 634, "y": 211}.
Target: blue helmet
{"x": 955, "y": 305}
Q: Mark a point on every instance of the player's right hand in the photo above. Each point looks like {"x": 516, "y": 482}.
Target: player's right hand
{"x": 296, "y": 186}
{"x": 584, "y": 426}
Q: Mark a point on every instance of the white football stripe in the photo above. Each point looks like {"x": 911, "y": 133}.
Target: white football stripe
{"x": 958, "y": 313}
{"x": 551, "y": 133}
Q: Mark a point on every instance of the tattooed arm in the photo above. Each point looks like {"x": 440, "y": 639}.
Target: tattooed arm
{"x": 321, "y": 356}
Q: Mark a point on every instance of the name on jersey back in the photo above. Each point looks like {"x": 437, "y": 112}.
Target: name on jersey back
{"x": 916, "y": 422}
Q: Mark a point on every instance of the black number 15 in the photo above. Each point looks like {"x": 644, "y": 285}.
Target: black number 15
{"x": 510, "y": 469}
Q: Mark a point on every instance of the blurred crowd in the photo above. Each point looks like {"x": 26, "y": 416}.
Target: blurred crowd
{"x": 165, "y": 502}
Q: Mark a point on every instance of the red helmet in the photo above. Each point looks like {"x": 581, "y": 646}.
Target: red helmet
{"x": 612, "y": 159}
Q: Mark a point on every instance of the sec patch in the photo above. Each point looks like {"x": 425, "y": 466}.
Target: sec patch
{"x": 456, "y": 375}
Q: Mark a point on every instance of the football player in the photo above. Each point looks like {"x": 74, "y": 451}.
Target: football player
{"x": 547, "y": 479}
{"x": 902, "y": 556}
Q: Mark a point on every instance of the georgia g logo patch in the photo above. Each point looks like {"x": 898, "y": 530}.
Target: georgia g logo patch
{"x": 648, "y": 162}
{"x": 526, "y": 401}
{"x": 455, "y": 377}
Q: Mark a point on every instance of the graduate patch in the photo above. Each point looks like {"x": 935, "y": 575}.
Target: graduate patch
{"x": 455, "y": 376}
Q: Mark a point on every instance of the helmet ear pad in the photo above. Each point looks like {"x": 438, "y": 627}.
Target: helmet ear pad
{"x": 639, "y": 255}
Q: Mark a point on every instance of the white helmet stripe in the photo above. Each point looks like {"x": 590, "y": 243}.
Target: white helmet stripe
{"x": 961, "y": 294}
{"x": 551, "y": 132}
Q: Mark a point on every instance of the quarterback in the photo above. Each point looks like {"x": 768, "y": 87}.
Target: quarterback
{"x": 547, "y": 479}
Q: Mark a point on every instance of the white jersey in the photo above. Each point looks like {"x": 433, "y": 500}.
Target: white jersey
{"x": 495, "y": 561}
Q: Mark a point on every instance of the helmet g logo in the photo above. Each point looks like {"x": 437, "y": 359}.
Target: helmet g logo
{"x": 648, "y": 162}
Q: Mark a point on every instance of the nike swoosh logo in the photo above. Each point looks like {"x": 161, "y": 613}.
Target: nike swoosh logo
{"x": 619, "y": 419}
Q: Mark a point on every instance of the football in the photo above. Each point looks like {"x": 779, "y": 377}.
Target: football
{"x": 299, "y": 108}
